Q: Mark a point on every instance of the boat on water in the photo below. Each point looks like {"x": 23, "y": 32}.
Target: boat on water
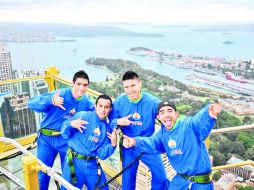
{"x": 231, "y": 76}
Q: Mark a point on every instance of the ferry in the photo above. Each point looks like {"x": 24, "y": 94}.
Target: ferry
{"x": 231, "y": 76}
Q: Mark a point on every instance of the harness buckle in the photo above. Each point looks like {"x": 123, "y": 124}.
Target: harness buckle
{"x": 191, "y": 178}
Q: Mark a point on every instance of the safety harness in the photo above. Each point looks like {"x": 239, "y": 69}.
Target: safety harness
{"x": 49, "y": 132}
{"x": 200, "y": 179}
{"x": 71, "y": 154}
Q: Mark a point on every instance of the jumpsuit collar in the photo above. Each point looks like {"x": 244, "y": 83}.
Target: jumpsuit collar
{"x": 136, "y": 101}
{"x": 78, "y": 98}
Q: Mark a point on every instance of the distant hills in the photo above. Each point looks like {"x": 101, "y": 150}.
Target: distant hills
{"x": 64, "y": 30}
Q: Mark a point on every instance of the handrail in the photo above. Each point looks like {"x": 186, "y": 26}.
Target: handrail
{"x": 50, "y": 171}
{"x": 250, "y": 162}
{"x": 68, "y": 82}
{"x": 21, "y": 80}
{"x": 232, "y": 129}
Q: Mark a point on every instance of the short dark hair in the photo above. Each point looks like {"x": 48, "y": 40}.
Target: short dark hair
{"x": 80, "y": 74}
{"x": 130, "y": 75}
{"x": 104, "y": 96}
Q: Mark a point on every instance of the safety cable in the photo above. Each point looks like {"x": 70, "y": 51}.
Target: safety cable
{"x": 121, "y": 172}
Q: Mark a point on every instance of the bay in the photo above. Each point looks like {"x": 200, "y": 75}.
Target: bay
{"x": 69, "y": 57}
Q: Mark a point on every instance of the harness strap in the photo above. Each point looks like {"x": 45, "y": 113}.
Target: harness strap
{"x": 201, "y": 179}
{"x": 49, "y": 132}
{"x": 121, "y": 172}
{"x": 99, "y": 174}
{"x": 121, "y": 146}
{"x": 70, "y": 155}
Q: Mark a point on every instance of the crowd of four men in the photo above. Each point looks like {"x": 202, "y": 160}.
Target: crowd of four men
{"x": 82, "y": 133}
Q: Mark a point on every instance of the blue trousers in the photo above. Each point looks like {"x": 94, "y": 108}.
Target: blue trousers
{"x": 179, "y": 183}
{"x": 47, "y": 149}
{"x": 153, "y": 161}
{"x": 86, "y": 173}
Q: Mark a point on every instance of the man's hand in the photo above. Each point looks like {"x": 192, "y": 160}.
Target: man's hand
{"x": 124, "y": 121}
{"x": 58, "y": 100}
{"x": 113, "y": 137}
{"x": 79, "y": 124}
{"x": 128, "y": 142}
{"x": 214, "y": 110}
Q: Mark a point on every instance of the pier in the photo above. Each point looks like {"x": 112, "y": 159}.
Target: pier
{"x": 231, "y": 87}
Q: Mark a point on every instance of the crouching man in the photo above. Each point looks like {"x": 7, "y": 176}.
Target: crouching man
{"x": 87, "y": 143}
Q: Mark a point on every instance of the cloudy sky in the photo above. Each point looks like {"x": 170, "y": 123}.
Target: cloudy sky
{"x": 130, "y": 11}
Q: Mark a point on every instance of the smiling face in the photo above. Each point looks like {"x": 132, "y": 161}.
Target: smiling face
{"x": 167, "y": 115}
{"x": 132, "y": 88}
{"x": 103, "y": 108}
{"x": 79, "y": 87}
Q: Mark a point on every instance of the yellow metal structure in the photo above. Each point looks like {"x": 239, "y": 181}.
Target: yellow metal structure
{"x": 30, "y": 169}
{"x": 31, "y": 166}
{"x": 110, "y": 171}
{"x": 23, "y": 141}
{"x": 207, "y": 142}
{"x": 51, "y": 71}
{"x": 233, "y": 165}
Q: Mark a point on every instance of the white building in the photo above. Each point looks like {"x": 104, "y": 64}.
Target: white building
{"x": 242, "y": 171}
{"x": 5, "y": 70}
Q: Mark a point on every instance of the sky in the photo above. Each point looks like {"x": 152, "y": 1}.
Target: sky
{"x": 82, "y": 12}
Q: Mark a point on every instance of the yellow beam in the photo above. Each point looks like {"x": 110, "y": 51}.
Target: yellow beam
{"x": 21, "y": 80}
{"x": 232, "y": 129}
{"x": 30, "y": 172}
{"x": 110, "y": 171}
{"x": 51, "y": 71}
{"x": 68, "y": 82}
{"x": 233, "y": 165}
{"x": 23, "y": 141}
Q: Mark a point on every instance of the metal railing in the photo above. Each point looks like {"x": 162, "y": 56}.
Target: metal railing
{"x": 50, "y": 171}
{"x": 53, "y": 79}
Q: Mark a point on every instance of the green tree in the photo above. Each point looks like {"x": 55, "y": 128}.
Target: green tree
{"x": 240, "y": 187}
{"x": 216, "y": 175}
{"x": 249, "y": 154}
{"x": 218, "y": 158}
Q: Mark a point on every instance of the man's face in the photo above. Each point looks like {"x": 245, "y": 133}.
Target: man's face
{"x": 103, "y": 108}
{"x": 79, "y": 87}
{"x": 132, "y": 88}
{"x": 167, "y": 115}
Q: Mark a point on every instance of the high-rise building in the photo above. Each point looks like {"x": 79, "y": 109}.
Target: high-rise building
{"x": 5, "y": 70}
{"x": 17, "y": 119}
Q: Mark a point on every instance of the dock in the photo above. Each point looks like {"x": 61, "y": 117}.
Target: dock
{"x": 219, "y": 84}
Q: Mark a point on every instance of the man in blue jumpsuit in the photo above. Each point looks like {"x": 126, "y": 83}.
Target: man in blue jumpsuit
{"x": 57, "y": 107}
{"x": 183, "y": 142}
{"x": 87, "y": 143}
{"x": 135, "y": 113}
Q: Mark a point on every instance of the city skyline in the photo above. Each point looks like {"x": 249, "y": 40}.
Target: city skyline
{"x": 128, "y": 11}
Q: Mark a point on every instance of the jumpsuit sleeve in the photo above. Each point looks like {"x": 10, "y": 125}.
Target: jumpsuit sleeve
{"x": 151, "y": 145}
{"x": 90, "y": 105}
{"x": 105, "y": 150}
{"x": 41, "y": 103}
{"x": 67, "y": 130}
{"x": 202, "y": 123}
{"x": 113, "y": 116}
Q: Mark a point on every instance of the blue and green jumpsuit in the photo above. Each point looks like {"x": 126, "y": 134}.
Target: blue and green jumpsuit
{"x": 49, "y": 145}
{"x": 143, "y": 113}
{"x": 92, "y": 143}
{"x": 185, "y": 148}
